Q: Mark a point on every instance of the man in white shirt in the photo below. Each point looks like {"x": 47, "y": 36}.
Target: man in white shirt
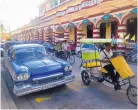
{"x": 65, "y": 46}
{"x": 105, "y": 55}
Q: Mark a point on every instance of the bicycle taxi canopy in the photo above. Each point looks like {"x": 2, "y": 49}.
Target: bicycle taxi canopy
{"x": 90, "y": 59}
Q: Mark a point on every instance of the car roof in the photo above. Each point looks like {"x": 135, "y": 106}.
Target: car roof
{"x": 25, "y": 45}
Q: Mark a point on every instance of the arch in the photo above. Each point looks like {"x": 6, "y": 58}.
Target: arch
{"x": 60, "y": 28}
{"x": 85, "y": 22}
{"x": 70, "y": 25}
{"x": 128, "y": 16}
{"x": 112, "y": 18}
{"x": 49, "y": 29}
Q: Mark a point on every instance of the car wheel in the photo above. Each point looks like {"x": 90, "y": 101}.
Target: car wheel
{"x": 79, "y": 54}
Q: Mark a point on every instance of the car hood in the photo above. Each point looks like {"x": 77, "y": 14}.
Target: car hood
{"x": 43, "y": 67}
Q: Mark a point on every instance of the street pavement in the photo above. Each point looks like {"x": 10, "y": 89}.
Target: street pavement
{"x": 74, "y": 95}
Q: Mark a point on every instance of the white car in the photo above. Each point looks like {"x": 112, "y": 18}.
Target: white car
{"x": 84, "y": 47}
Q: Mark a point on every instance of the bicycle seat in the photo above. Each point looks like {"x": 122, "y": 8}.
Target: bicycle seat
{"x": 92, "y": 64}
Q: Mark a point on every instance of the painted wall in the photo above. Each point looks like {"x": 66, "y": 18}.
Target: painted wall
{"x": 64, "y": 6}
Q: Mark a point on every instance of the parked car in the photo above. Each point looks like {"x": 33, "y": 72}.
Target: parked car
{"x": 49, "y": 46}
{"x": 2, "y": 46}
{"x": 8, "y": 44}
{"x": 84, "y": 47}
{"x": 32, "y": 69}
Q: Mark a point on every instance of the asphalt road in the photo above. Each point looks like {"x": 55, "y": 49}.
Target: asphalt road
{"x": 74, "y": 95}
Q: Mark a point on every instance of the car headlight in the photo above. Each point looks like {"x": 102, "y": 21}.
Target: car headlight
{"x": 23, "y": 76}
{"x": 68, "y": 68}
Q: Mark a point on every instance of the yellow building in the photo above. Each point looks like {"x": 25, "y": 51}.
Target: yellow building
{"x": 75, "y": 19}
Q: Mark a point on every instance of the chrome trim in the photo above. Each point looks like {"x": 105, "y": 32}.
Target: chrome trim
{"x": 27, "y": 89}
{"x": 46, "y": 77}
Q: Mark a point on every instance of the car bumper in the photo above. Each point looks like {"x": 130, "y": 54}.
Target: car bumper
{"x": 27, "y": 89}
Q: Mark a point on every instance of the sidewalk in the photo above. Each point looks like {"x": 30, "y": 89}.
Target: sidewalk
{"x": 6, "y": 99}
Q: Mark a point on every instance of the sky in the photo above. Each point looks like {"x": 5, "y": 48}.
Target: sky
{"x": 16, "y": 13}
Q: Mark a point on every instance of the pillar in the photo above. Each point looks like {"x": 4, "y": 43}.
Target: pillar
{"x": 96, "y": 33}
{"x": 36, "y": 36}
{"x": 41, "y": 35}
{"x": 66, "y": 35}
{"x": 53, "y": 38}
{"x": 121, "y": 30}
{"x": 79, "y": 36}
{"x": 56, "y": 36}
{"x": 46, "y": 36}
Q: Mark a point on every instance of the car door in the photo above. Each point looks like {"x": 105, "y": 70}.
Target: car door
{"x": 9, "y": 63}
{"x": 8, "y": 57}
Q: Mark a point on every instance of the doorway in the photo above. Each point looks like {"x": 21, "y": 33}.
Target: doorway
{"x": 89, "y": 31}
{"x": 132, "y": 28}
{"x": 113, "y": 29}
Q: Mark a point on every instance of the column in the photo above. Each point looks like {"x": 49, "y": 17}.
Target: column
{"x": 41, "y": 35}
{"x": 66, "y": 35}
{"x": 121, "y": 30}
{"x": 47, "y": 36}
{"x": 53, "y": 37}
{"x": 56, "y": 36}
{"x": 79, "y": 36}
{"x": 96, "y": 33}
{"x": 36, "y": 35}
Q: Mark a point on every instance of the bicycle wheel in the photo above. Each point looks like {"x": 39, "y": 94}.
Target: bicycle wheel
{"x": 134, "y": 58}
{"x": 71, "y": 59}
{"x": 85, "y": 78}
{"x": 132, "y": 94}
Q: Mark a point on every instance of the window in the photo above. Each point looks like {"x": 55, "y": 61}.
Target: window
{"x": 54, "y": 3}
{"x": 42, "y": 9}
{"x": 61, "y": 1}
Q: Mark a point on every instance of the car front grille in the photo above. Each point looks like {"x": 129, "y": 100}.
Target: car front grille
{"x": 48, "y": 80}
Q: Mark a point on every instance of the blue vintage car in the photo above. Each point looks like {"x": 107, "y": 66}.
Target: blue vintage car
{"x": 33, "y": 70}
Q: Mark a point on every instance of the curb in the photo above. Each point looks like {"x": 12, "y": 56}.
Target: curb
{"x": 9, "y": 99}
{"x": 6, "y": 98}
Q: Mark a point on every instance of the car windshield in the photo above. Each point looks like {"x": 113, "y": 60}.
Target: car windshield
{"x": 31, "y": 52}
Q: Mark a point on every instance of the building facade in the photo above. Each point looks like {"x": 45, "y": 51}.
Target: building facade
{"x": 76, "y": 19}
